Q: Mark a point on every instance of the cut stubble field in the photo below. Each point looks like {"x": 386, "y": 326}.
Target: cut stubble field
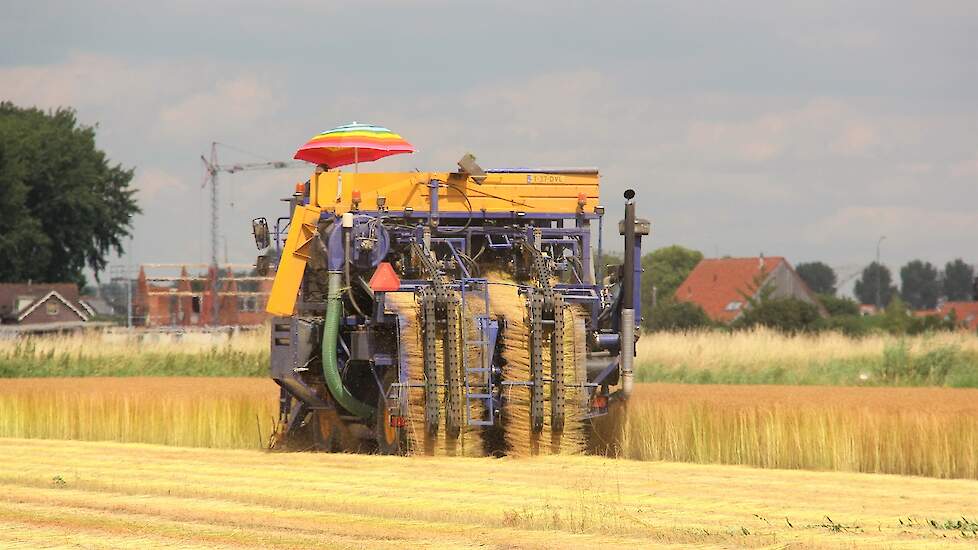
{"x": 94, "y": 495}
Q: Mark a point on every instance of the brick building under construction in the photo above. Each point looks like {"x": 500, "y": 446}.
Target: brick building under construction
{"x": 188, "y": 301}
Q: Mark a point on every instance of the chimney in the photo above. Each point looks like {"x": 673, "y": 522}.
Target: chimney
{"x": 760, "y": 262}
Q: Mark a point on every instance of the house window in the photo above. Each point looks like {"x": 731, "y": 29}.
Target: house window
{"x": 733, "y": 306}
{"x": 53, "y": 308}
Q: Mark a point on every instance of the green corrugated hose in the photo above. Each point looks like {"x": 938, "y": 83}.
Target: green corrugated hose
{"x": 331, "y": 333}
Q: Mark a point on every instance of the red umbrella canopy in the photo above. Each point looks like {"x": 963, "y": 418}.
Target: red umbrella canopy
{"x": 352, "y": 143}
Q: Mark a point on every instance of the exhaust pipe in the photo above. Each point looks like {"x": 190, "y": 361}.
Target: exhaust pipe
{"x": 628, "y": 299}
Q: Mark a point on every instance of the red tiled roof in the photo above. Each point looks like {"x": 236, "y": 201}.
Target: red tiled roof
{"x": 715, "y": 283}
{"x": 924, "y": 312}
{"x": 966, "y": 313}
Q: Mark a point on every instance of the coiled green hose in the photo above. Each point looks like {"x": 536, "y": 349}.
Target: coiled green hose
{"x": 331, "y": 333}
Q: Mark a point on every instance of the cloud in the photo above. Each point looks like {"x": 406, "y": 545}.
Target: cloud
{"x": 967, "y": 168}
{"x": 910, "y": 225}
{"x": 175, "y": 99}
{"x": 150, "y": 182}
{"x": 840, "y": 37}
{"x": 83, "y": 79}
{"x": 816, "y": 128}
{"x": 104, "y": 82}
{"x": 744, "y": 130}
{"x": 228, "y": 106}
{"x": 856, "y": 138}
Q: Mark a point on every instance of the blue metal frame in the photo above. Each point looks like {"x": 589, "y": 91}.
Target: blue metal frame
{"x": 569, "y": 247}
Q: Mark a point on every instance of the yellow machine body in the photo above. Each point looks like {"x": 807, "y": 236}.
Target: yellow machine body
{"x": 295, "y": 254}
{"x": 528, "y": 192}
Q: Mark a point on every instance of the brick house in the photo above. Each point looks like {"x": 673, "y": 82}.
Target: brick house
{"x": 719, "y": 286}
{"x": 965, "y": 313}
{"x": 38, "y": 305}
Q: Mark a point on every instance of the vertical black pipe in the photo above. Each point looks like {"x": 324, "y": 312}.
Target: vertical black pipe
{"x": 628, "y": 278}
{"x": 628, "y": 299}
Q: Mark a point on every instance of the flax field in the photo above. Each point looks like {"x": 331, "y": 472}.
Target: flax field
{"x": 121, "y": 353}
{"x": 222, "y": 413}
{"x": 879, "y": 404}
{"x": 711, "y": 357}
{"x": 918, "y": 431}
{"x": 828, "y": 358}
{"x": 912, "y": 431}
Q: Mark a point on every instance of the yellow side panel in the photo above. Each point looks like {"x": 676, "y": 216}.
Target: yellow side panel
{"x": 520, "y": 192}
{"x": 302, "y": 230}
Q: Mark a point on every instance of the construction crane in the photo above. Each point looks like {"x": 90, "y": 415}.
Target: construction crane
{"x": 212, "y": 168}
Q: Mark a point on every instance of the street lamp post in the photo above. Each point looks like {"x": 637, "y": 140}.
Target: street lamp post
{"x": 879, "y": 269}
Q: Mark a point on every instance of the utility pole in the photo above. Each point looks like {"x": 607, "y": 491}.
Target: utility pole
{"x": 213, "y": 168}
{"x": 879, "y": 269}
{"x": 122, "y": 274}
{"x": 129, "y": 291}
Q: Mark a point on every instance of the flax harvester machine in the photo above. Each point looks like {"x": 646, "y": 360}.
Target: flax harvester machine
{"x": 449, "y": 313}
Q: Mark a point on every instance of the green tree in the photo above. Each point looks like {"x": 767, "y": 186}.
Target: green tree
{"x": 850, "y": 325}
{"x": 865, "y": 289}
{"x": 64, "y": 207}
{"x": 930, "y": 324}
{"x": 602, "y": 262}
{"x": 665, "y": 269}
{"x": 837, "y": 306}
{"x": 919, "y": 285}
{"x": 958, "y": 281}
{"x": 789, "y": 315}
{"x": 819, "y": 277}
{"x": 669, "y": 314}
{"x": 896, "y": 317}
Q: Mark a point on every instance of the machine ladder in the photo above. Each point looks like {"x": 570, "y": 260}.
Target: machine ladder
{"x": 478, "y": 379}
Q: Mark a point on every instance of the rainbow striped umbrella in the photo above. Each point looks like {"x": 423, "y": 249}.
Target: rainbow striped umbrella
{"x": 352, "y": 144}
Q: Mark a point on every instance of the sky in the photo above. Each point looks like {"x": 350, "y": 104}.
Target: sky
{"x": 798, "y": 129}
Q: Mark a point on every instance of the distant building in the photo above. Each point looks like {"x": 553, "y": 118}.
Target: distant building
{"x": 40, "y": 305}
{"x": 965, "y": 313}
{"x": 722, "y": 286}
{"x": 867, "y": 309}
{"x": 98, "y": 305}
{"x": 923, "y": 312}
{"x": 187, "y": 301}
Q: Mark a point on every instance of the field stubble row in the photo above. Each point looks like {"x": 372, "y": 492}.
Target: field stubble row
{"x": 918, "y": 431}
{"x": 92, "y": 494}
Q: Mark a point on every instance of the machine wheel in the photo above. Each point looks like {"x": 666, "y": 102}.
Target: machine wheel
{"x": 391, "y": 440}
